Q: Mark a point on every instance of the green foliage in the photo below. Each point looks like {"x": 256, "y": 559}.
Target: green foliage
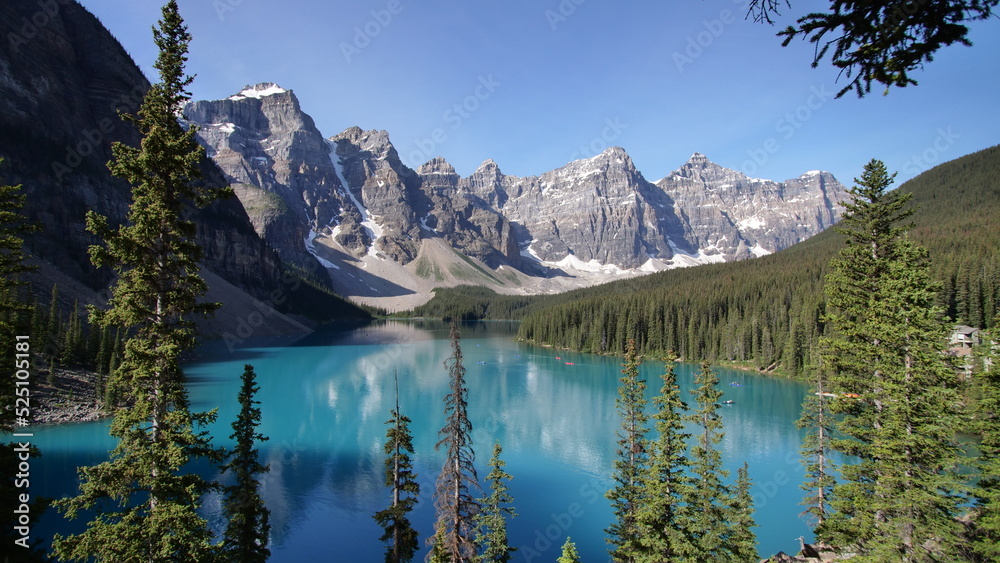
{"x": 986, "y": 537}
{"x": 12, "y": 226}
{"x": 709, "y": 497}
{"x": 631, "y": 461}
{"x": 491, "y": 522}
{"x": 742, "y": 542}
{"x": 768, "y": 313}
{"x": 402, "y": 480}
{"x": 467, "y": 302}
{"x": 439, "y": 553}
{"x": 900, "y": 501}
{"x": 663, "y": 519}
{"x": 883, "y": 42}
{"x": 818, "y": 422}
{"x": 879, "y": 42}
{"x": 569, "y": 553}
{"x": 456, "y": 508}
{"x": 246, "y": 536}
{"x": 157, "y": 292}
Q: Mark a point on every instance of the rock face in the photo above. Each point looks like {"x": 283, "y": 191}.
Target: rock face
{"x": 596, "y": 214}
{"x": 62, "y": 84}
{"x": 277, "y": 162}
{"x": 383, "y": 191}
{"x": 598, "y": 210}
{"x": 724, "y": 212}
{"x": 602, "y": 211}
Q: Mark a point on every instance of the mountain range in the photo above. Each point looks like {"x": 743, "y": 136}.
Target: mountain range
{"x": 387, "y": 234}
{"x": 315, "y": 214}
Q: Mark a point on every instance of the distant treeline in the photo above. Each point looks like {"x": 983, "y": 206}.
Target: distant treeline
{"x": 766, "y": 312}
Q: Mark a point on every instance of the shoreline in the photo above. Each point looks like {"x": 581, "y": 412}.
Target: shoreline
{"x": 71, "y": 398}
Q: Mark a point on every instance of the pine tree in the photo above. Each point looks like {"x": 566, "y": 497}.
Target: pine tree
{"x": 900, "y": 501}
{"x": 663, "y": 520}
{"x": 491, "y": 522}
{"x": 402, "y": 480}
{"x": 569, "y": 554}
{"x": 453, "y": 501}
{"x": 156, "y": 294}
{"x": 709, "y": 496}
{"x": 13, "y": 227}
{"x": 246, "y": 536}
{"x": 986, "y": 543}
{"x": 15, "y": 354}
{"x": 816, "y": 449}
{"x": 631, "y": 462}
{"x": 72, "y": 339}
{"x": 742, "y": 541}
{"x": 438, "y": 553}
{"x": 54, "y": 324}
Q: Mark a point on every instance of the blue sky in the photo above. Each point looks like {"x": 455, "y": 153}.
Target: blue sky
{"x": 534, "y": 84}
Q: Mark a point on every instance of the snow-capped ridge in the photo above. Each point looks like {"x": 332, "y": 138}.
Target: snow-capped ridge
{"x": 258, "y": 91}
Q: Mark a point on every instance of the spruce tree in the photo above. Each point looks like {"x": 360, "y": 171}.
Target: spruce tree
{"x": 54, "y": 324}
{"x": 155, "y": 297}
{"x": 246, "y": 536}
{"x": 896, "y": 394}
{"x": 15, "y": 354}
{"x": 13, "y": 226}
{"x": 491, "y": 522}
{"x": 402, "y": 481}
{"x": 709, "y": 496}
{"x": 453, "y": 501}
{"x": 438, "y": 553}
{"x": 816, "y": 449}
{"x": 569, "y": 553}
{"x": 631, "y": 461}
{"x": 742, "y": 541}
{"x": 986, "y": 543}
{"x": 663, "y": 520}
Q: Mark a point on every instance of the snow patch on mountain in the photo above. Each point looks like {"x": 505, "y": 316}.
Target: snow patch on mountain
{"x": 259, "y": 91}
{"x": 372, "y": 227}
{"x": 310, "y": 243}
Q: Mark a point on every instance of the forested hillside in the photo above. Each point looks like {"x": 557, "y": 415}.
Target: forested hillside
{"x": 766, "y": 312}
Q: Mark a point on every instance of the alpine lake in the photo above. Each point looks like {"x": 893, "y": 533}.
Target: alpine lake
{"x": 325, "y": 399}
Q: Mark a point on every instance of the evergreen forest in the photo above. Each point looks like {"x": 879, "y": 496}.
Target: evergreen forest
{"x": 766, "y": 313}
{"x": 862, "y": 312}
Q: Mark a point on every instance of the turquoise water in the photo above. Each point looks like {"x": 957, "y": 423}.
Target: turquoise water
{"x": 325, "y": 399}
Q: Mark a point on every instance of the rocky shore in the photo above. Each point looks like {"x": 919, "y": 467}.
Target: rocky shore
{"x": 69, "y": 398}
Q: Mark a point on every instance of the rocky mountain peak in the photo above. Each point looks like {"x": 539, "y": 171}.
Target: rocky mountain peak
{"x": 488, "y": 164}
{"x": 699, "y": 166}
{"x": 372, "y": 143}
{"x": 260, "y": 90}
{"x": 697, "y": 159}
{"x": 437, "y": 165}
